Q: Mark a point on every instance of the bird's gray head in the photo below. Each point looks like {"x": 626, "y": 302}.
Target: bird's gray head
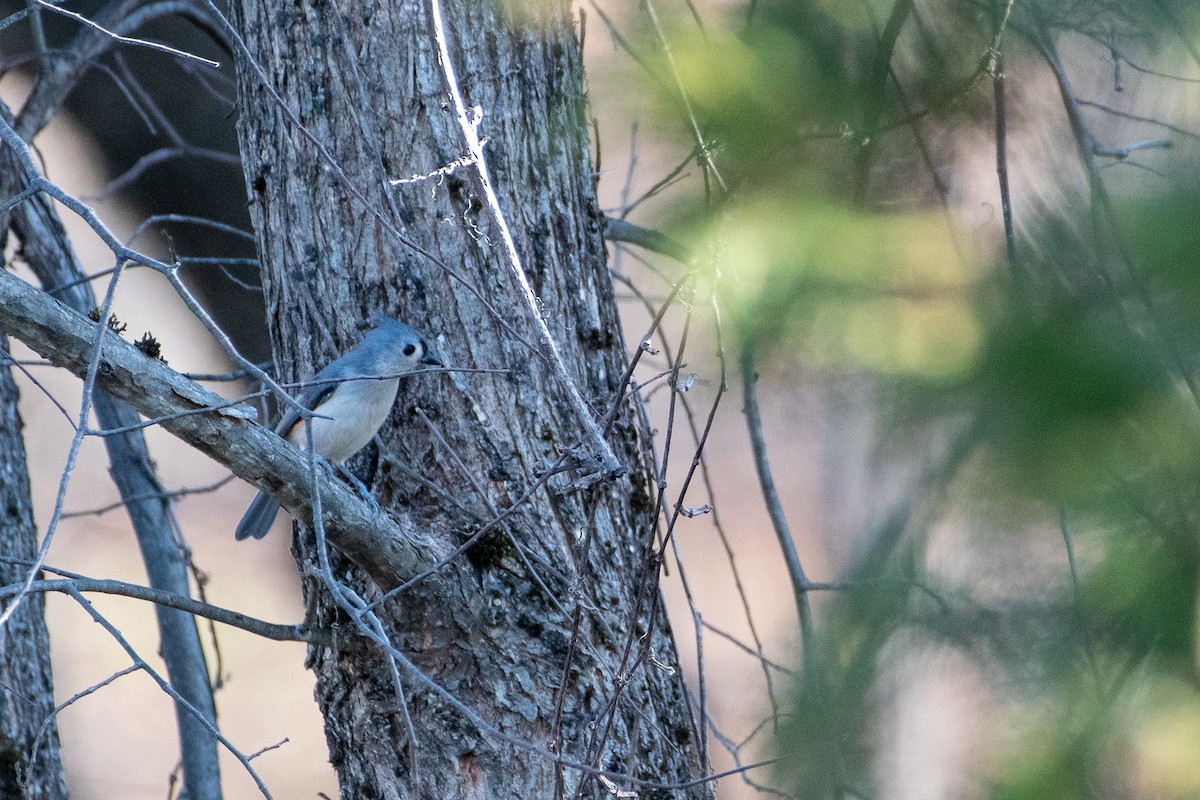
{"x": 395, "y": 347}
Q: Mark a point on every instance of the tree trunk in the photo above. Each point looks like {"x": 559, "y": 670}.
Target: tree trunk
{"x": 26, "y": 686}
{"x": 496, "y": 627}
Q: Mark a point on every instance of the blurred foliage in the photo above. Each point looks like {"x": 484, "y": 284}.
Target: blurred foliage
{"x": 884, "y": 291}
{"x": 1073, "y": 374}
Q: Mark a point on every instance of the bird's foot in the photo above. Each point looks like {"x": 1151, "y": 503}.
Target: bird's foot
{"x": 362, "y": 490}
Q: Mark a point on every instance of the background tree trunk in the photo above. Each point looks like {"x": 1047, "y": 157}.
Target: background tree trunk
{"x": 494, "y": 627}
{"x": 26, "y": 686}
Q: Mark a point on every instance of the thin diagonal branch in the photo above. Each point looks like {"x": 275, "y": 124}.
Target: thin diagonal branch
{"x": 267, "y": 630}
{"x": 783, "y": 532}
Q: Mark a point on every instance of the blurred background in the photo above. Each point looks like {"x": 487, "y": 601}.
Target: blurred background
{"x": 981, "y": 413}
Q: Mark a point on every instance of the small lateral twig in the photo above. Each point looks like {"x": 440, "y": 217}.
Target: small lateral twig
{"x": 783, "y": 533}
{"x": 267, "y": 630}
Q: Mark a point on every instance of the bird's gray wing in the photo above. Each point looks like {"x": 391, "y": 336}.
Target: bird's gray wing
{"x": 310, "y": 398}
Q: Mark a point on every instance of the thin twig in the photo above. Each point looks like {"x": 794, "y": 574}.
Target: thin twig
{"x": 44, "y": 728}
{"x": 169, "y": 690}
{"x": 162, "y": 48}
{"x": 757, "y": 653}
{"x": 783, "y": 534}
{"x": 267, "y": 630}
{"x": 1077, "y": 594}
{"x": 995, "y": 68}
{"x": 703, "y": 148}
{"x": 165, "y": 495}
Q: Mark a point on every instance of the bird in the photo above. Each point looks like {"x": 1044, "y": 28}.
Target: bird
{"x": 350, "y": 402}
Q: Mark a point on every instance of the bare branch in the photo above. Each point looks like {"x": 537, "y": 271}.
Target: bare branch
{"x": 389, "y": 551}
{"x": 267, "y": 630}
{"x": 1123, "y": 152}
{"x": 162, "y": 48}
{"x": 618, "y": 230}
{"x": 168, "y": 689}
{"x": 783, "y": 533}
{"x": 172, "y": 495}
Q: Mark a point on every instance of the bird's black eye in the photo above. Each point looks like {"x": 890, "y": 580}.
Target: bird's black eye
{"x": 409, "y": 349}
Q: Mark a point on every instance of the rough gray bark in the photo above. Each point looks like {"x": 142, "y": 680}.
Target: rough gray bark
{"x": 494, "y": 627}
{"x": 26, "y": 685}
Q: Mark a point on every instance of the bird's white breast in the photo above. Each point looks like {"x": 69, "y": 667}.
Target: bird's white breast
{"x": 355, "y": 411}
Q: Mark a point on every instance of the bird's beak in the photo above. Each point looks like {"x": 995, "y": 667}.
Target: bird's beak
{"x": 431, "y": 358}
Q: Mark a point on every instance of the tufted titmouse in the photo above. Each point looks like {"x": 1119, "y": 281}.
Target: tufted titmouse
{"x": 351, "y": 401}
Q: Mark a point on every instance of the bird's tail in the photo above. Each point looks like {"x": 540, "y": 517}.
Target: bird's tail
{"x": 258, "y": 517}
